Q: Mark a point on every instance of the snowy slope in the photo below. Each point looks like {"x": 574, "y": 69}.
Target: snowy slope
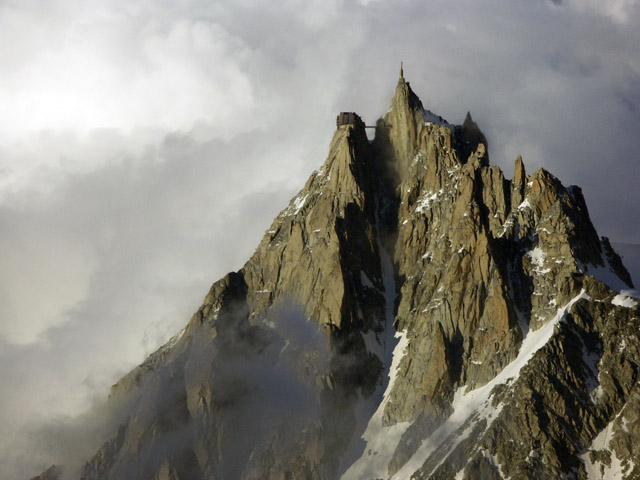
{"x": 630, "y": 253}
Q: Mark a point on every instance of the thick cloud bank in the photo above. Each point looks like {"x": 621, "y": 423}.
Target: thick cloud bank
{"x": 144, "y": 147}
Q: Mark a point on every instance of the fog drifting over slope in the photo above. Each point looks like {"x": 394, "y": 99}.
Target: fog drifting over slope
{"x": 145, "y": 147}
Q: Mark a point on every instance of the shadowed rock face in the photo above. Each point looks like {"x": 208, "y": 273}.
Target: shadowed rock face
{"x": 51, "y": 473}
{"x": 285, "y": 366}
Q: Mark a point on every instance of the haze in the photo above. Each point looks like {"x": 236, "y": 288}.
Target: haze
{"x": 145, "y": 147}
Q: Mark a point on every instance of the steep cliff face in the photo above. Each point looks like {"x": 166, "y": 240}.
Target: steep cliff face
{"x": 411, "y": 314}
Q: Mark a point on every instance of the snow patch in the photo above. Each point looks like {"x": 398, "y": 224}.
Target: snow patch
{"x": 431, "y": 117}
{"x": 507, "y": 223}
{"x": 605, "y": 274}
{"x": 425, "y": 200}
{"x": 599, "y": 470}
{"x": 524, "y": 204}
{"x": 537, "y": 257}
{"x": 623, "y": 299}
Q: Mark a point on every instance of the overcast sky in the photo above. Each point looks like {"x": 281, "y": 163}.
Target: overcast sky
{"x": 146, "y": 145}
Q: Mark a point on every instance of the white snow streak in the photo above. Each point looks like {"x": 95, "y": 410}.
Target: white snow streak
{"x": 381, "y": 441}
{"x": 597, "y": 470}
{"x": 478, "y": 400}
{"x": 299, "y": 203}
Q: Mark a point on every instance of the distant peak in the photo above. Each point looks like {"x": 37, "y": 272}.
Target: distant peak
{"x": 472, "y": 131}
{"x": 468, "y": 121}
{"x": 401, "y": 71}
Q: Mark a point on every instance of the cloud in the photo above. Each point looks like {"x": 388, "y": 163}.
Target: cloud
{"x": 264, "y": 383}
{"x": 260, "y": 381}
{"x": 114, "y": 263}
{"x": 620, "y": 11}
{"x": 145, "y": 146}
{"x": 87, "y": 65}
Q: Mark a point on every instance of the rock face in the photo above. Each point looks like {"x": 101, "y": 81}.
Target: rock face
{"x": 411, "y": 314}
{"x": 52, "y": 473}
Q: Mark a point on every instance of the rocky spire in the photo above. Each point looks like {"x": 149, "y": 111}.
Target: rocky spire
{"x": 519, "y": 182}
{"x": 472, "y": 138}
{"x": 406, "y": 121}
{"x": 520, "y": 174}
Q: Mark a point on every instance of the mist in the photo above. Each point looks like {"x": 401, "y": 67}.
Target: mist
{"x": 145, "y": 147}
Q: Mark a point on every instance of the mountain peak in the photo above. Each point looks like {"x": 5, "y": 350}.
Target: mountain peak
{"x": 410, "y": 313}
{"x": 404, "y": 95}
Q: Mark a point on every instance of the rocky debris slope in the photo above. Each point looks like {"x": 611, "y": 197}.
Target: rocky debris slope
{"x": 515, "y": 352}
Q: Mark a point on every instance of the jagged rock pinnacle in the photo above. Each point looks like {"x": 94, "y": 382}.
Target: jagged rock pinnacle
{"x": 519, "y": 175}
{"x": 519, "y": 183}
{"x": 473, "y": 137}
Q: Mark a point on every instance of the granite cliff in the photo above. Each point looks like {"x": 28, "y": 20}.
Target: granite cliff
{"x": 412, "y": 313}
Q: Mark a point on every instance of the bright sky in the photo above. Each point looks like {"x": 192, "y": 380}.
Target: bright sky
{"x": 146, "y": 145}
